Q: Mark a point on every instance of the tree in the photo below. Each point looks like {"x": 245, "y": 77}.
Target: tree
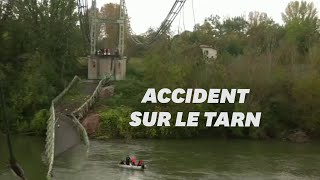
{"x": 301, "y": 24}
{"x": 40, "y": 42}
{"x": 233, "y": 33}
{"x": 300, "y": 11}
{"x": 109, "y": 33}
{"x": 263, "y": 33}
{"x": 235, "y": 25}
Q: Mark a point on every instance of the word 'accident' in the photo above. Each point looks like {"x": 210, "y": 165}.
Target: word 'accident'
{"x": 196, "y": 96}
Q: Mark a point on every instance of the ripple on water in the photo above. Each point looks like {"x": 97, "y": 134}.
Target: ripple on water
{"x": 191, "y": 160}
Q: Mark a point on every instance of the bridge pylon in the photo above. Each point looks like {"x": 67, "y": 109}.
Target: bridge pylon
{"x": 121, "y": 27}
{"x": 100, "y": 66}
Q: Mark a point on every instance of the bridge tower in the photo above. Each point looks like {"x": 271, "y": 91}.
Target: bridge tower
{"x": 121, "y": 22}
{"x": 101, "y": 66}
{"x": 93, "y": 28}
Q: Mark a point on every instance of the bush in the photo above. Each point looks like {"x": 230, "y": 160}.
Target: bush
{"x": 39, "y": 122}
{"x": 115, "y": 123}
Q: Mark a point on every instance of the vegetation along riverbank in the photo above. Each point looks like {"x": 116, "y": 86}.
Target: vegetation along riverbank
{"x": 278, "y": 62}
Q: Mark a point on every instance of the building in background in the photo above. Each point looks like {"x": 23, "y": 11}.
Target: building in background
{"x": 209, "y": 52}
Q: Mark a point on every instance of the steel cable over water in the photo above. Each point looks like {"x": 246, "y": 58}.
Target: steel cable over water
{"x": 165, "y": 25}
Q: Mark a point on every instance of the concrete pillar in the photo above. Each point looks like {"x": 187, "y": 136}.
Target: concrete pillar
{"x": 99, "y": 67}
{"x": 93, "y": 66}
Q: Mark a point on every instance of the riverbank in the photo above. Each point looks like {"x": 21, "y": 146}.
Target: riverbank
{"x": 110, "y": 117}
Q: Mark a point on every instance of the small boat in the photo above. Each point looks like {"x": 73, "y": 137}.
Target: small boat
{"x": 132, "y": 167}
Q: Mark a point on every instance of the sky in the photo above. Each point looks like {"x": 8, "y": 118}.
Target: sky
{"x": 150, "y": 13}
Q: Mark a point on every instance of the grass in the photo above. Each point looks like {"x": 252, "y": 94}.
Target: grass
{"x": 135, "y": 69}
{"x": 127, "y": 92}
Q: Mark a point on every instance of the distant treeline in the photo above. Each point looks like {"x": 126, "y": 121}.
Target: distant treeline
{"x": 279, "y": 63}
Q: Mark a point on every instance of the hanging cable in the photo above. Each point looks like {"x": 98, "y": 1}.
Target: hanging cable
{"x": 179, "y": 22}
{"x": 194, "y": 17}
{"x": 184, "y": 25}
{"x": 84, "y": 19}
{"x": 175, "y": 10}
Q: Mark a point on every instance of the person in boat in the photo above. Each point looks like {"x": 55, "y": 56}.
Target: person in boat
{"x": 128, "y": 160}
{"x": 133, "y": 160}
{"x": 141, "y": 163}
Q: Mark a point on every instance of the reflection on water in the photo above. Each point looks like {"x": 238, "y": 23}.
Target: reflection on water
{"x": 171, "y": 159}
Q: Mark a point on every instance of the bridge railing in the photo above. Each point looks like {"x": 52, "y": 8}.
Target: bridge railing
{"x": 79, "y": 113}
{"x": 76, "y": 115}
{"x": 50, "y": 139}
{"x": 82, "y": 110}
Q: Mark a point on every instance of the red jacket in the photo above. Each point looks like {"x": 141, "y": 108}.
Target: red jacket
{"x": 133, "y": 160}
{"x": 140, "y": 163}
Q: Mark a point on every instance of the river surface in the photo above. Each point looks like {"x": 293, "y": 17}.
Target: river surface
{"x": 170, "y": 159}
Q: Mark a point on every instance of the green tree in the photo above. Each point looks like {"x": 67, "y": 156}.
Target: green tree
{"x": 40, "y": 44}
{"x": 109, "y": 32}
{"x": 301, "y": 24}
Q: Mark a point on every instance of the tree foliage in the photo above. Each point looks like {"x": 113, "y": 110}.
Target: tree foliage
{"x": 109, "y": 32}
{"x": 279, "y": 63}
{"x": 40, "y": 44}
{"x": 302, "y": 24}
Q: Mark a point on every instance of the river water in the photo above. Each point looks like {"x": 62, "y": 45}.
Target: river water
{"x": 171, "y": 159}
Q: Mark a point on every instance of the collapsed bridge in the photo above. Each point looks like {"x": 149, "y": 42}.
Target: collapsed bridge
{"x": 64, "y": 129}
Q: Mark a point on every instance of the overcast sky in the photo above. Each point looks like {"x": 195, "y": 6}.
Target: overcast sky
{"x": 150, "y": 13}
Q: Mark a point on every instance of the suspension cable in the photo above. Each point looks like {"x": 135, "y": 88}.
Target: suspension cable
{"x": 179, "y": 22}
{"x": 184, "y": 25}
{"x": 83, "y": 14}
{"x": 194, "y": 16}
{"x": 175, "y": 10}
{"x": 84, "y": 21}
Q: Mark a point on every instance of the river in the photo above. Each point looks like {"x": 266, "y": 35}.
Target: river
{"x": 171, "y": 159}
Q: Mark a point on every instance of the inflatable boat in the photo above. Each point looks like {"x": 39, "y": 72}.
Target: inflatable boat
{"x": 132, "y": 167}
